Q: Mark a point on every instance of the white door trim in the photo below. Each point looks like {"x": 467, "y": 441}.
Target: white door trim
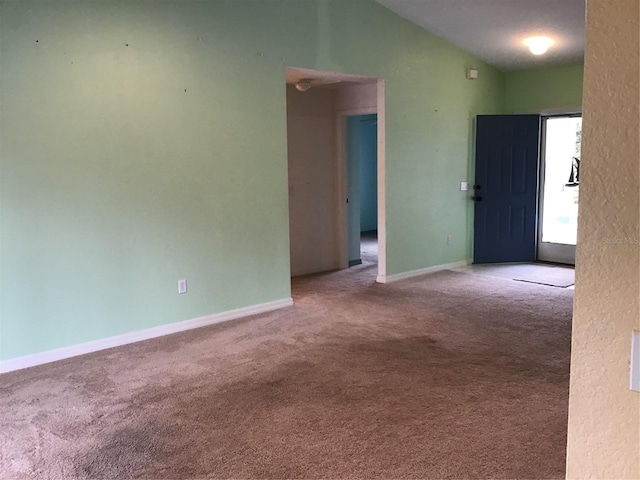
{"x": 547, "y": 251}
{"x": 341, "y": 176}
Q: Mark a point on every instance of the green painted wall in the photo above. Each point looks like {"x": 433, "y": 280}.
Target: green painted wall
{"x": 145, "y": 141}
{"x": 536, "y": 90}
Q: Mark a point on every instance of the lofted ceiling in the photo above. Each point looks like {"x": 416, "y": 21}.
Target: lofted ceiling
{"x": 493, "y": 30}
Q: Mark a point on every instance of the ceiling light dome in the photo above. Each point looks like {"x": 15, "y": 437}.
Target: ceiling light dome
{"x": 538, "y": 45}
{"x": 303, "y": 84}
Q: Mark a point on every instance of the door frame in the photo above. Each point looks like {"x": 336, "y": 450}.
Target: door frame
{"x": 564, "y": 254}
{"x": 342, "y": 181}
{"x": 353, "y": 205}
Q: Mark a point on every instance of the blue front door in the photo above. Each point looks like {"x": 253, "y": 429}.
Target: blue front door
{"x": 506, "y": 188}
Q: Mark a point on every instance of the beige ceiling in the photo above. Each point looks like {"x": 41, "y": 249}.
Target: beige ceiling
{"x": 493, "y": 30}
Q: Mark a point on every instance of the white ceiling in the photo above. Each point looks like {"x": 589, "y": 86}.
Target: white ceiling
{"x": 493, "y": 30}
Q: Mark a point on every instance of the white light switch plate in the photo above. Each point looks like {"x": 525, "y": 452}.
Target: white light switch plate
{"x": 464, "y": 186}
{"x": 635, "y": 362}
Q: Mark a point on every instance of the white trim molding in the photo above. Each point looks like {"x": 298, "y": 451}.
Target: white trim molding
{"x": 132, "y": 337}
{"x": 382, "y": 179}
{"x": 342, "y": 190}
{"x": 342, "y": 180}
{"x": 422, "y": 271}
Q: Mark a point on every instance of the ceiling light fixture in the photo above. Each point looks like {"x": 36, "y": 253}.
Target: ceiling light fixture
{"x": 303, "y": 85}
{"x": 538, "y": 45}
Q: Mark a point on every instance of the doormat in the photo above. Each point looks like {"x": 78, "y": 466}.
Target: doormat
{"x": 547, "y": 275}
{"x": 540, "y": 273}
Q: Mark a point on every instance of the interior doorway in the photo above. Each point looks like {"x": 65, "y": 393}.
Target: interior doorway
{"x": 362, "y": 187}
{"x": 319, "y": 105}
{"x": 559, "y": 188}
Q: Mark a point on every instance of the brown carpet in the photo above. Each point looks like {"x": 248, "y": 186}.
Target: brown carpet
{"x": 441, "y": 377}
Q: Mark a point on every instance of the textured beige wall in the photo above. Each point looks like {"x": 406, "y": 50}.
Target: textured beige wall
{"x": 604, "y": 415}
{"x": 357, "y": 96}
{"x": 313, "y": 217}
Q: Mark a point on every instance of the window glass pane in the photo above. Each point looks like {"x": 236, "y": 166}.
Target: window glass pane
{"x": 561, "y": 182}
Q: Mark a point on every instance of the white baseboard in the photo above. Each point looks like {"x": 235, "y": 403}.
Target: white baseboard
{"x": 162, "y": 330}
{"x": 419, "y": 272}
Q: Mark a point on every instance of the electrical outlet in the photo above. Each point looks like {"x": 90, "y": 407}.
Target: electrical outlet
{"x": 448, "y": 239}
{"x": 464, "y": 186}
{"x": 182, "y": 286}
